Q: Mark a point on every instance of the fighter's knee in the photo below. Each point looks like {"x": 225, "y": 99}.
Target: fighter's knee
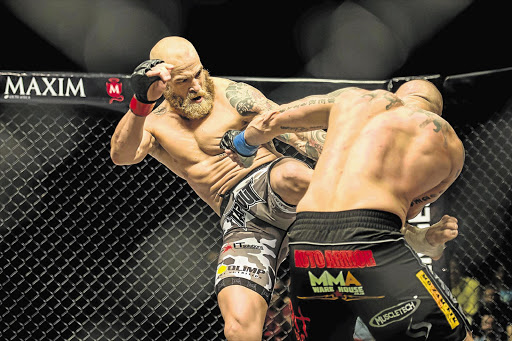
{"x": 236, "y": 329}
{"x": 232, "y": 329}
{"x": 290, "y": 180}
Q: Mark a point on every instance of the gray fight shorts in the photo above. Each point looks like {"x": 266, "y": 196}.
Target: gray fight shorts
{"x": 254, "y": 221}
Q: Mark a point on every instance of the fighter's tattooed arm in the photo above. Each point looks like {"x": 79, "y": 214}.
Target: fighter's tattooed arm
{"x": 309, "y": 144}
{"x": 313, "y": 100}
{"x": 300, "y": 116}
{"x": 309, "y": 141}
{"x": 246, "y": 99}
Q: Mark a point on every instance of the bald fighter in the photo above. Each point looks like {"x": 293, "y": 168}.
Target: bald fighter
{"x": 386, "y": 156}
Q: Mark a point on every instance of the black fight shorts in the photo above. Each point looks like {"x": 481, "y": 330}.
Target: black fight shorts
{"x": 357, "y": 263}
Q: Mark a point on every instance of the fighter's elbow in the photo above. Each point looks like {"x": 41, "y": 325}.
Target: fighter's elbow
{"x": 119, "y": 159}
{"x": 116, "y": 159}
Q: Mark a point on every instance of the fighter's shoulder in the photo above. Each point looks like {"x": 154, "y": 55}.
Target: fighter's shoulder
{"x": 347, "y": 96}
{"x": 228, "y": 85}
{"x": 458, "y": 151}
{"x": 221, "y": 82}
{"x": 350, "y": 91}
{"x": 452, "y": 143}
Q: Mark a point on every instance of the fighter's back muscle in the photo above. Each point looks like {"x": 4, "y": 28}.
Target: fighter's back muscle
{"x": 412, "y": 148}
{"x": 381, "y": 152}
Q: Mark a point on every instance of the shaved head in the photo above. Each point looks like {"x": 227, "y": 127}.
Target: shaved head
{"x": 174, "y": 50}
{"x": 423, "y": 94}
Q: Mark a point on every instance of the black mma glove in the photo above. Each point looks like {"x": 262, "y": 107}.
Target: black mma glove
{"x": 234, "y": 140}
{"x": 140, "y": 82}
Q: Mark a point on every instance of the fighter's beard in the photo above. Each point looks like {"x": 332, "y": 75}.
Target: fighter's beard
{"x": 186, "y": 107}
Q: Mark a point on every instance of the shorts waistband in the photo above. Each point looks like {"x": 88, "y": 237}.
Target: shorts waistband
{"x": 364, "y": 218}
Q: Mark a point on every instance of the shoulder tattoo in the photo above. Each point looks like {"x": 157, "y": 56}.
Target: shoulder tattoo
{"x": 246, "y": 99}
{"x": 392, "y": 99}
{"x": 440, "y": 125}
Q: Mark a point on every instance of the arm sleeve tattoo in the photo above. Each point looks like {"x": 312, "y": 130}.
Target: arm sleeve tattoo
{"x": 246, "y": 99}
{"x": 309, "y": 144}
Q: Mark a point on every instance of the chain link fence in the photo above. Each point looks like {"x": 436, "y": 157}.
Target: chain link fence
{"x": 93, "y": 251}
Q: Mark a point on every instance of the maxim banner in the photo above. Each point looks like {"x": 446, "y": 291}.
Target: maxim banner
{"x": 114, "y": 91}
{"x": 93, "y": 89}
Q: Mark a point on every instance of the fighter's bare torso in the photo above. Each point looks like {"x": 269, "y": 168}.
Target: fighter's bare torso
{"x": 190, "y": 148}
{"x": 401, "y": 156}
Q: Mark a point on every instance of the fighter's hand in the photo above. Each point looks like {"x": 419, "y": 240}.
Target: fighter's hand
{"x": 236, "y": 148}
{"x": 431, "y": 241}
{"x": 149, "y": 80}
{"x": 162, "y": 71}
{"x": 262, "y": 128}
{"x": 443, "y": 231}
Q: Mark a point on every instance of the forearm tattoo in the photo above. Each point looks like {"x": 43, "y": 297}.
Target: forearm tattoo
{"x": 313, "y": 100}
{"x": 301, "y": 129}
{"x": 309, "y": 143}
{"x": 246, "y": 99}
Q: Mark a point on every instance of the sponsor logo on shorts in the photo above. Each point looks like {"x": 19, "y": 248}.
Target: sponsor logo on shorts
{"x": 244, "y": 199}
{"x": 340, "y": 286}
{"x": 240, "y": 245}
{"x": 19, "y": 87}
{"x": 240, "y": 269}
{"x": 438, "y": 298}
{"x": 226, "y": 248}
{"x": 328, "y": 283}
{"x": 334, "y": 259}
{"x": 394, "y": 314}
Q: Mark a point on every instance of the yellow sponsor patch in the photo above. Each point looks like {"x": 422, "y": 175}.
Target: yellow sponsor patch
{"x": 441, "y": 303}
{"x": 221, "y": 269}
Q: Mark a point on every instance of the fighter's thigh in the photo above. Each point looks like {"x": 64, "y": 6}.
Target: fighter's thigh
{"x": 289, "y": 179}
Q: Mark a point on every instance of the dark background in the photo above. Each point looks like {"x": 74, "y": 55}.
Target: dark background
{"x": 262, "y": 38}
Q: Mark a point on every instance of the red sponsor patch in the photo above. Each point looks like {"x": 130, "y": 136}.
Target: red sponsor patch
{"x": 334, "y": 259}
